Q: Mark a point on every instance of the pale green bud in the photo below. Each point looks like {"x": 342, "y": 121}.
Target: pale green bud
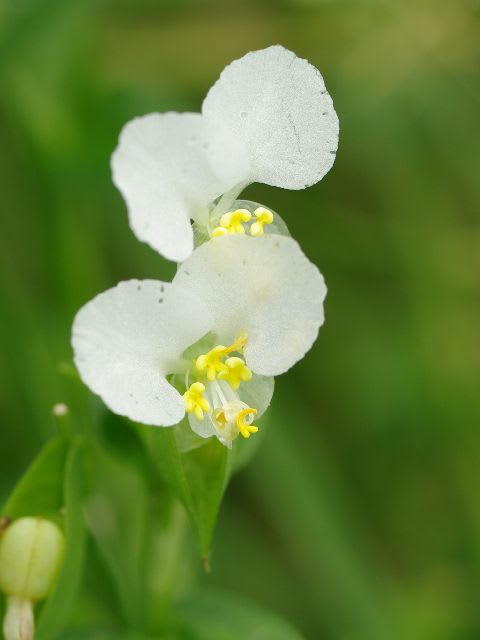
{"x": 31, "y": 553}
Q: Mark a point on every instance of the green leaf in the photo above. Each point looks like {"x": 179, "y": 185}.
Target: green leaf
{"x": 218, "y": 616}
{"x": 98, "y": 634}
{"x": 40, "y": 491}
{"x": 51, "y": 488}
{"x": 56, "y": 610}
{"x": 198, "y": 477}
{"x": 118, "y": 517}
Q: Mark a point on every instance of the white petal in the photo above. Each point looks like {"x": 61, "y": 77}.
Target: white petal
{"x": 125, "y": 341}
{"x": 277, "y": 107}
{"x": 264, "y": 286}
{"x": 203, "y": 428}
{"x": 162, "y": 166}
{"x": 257, "y": 393}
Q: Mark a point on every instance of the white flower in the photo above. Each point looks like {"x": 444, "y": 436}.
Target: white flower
{"x": 238, "y": 311}
{"x": 268, "y": 118}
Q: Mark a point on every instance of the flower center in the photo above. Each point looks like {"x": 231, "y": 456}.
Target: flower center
{"x": 233, "y": 222}
{"x": 218, "y": 398}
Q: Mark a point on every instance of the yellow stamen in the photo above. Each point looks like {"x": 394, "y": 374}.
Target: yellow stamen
{"x": 211, "y": 362}
{"x": 238, "y": 343}
{"x": 246, "y": 429}
{"x": 263, "y": 216}
{"x": 195, "y": 402}
{"x": 237, "y": 372}
{"x": 219, "y": 231}
{"x": 232, "y": 222}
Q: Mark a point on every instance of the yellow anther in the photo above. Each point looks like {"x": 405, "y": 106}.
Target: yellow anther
{"x": 194, "y": 400}
{"x": 219, "y": 231}
{"x": 211, "y": 363}
{"x": 263, "y": 216}
{"x": 237, "y": 372}
{"x": 232, "y": 222}
{"x": 244, "y": 428}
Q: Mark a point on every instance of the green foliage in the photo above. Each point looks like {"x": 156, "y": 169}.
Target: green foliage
{"x": 52, "y": 488}
{"x": 56, "y": 611}
{"x": 359, "y": 519}
{"x": 217, "y": 616}
{"x": 117, "y": 513}
{"x": 198, "y": 477}
{"x": 40, "y": 491}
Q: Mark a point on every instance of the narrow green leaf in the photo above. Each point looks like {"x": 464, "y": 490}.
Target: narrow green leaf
{"x": 219, "y": 616}
{"x": 51, "y": 488}
{"x": 56, "y": 610}
{"x": 198, "y": 477}
{"x": 40, "y": 490}
{"x": 207, "y": 470}
{"x": 168, "y": 458}
{"x": 118, "y": 517}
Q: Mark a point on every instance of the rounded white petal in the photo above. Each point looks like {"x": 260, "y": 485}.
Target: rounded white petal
{"x": 263, "y": 286}
{"x": 128, "y": 338}
{"x": 277, "y": 107}
{"x": 163, "y": 168}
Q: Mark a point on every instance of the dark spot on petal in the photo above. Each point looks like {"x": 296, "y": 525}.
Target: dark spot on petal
{"x": 323, "y": 92}
{"x": 187, "y": 273}
{"x": 162, "y": 288}
{"x": 139, "y": 286}
{"x": 325, "y": 113}
{"x": 244, "y": 114}
{"x": 333, "y": 152}
{"x": 160, "y": 300}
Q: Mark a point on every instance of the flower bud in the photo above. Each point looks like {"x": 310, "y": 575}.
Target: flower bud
{"x": 31, "y": 552}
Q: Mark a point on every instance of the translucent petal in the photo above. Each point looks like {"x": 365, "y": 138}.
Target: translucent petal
{"x": 127, "y": 339}
{"x": 278, "y": 226}
{"x": 258, "y": 393}
{"x": 203, "y": 428}
{"x": 277, "y": 107}
{"x": 163, "y": 168}
{"x": 263, "y": 286}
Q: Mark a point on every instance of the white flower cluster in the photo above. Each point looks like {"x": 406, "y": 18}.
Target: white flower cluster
{"x": 245, "y": 304}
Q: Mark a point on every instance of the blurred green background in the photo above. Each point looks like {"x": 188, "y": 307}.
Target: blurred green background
{"x": 360, "y": 517}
